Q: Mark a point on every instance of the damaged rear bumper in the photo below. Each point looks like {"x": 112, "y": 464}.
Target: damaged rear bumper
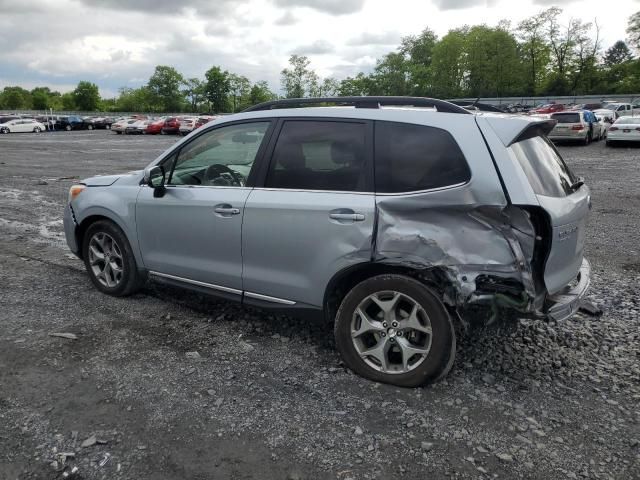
{"x": 566, "y": 302}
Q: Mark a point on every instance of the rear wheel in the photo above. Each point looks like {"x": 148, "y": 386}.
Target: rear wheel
{"x": 37, "y": 130}
{"x": 4, "y": 130}
{"x": 89, "y": 127}
{"x": 67, "y": 128}
{"x": 109, "y": 259}
{"x": 118, "y": 132}
{"x": 393, "y": 329}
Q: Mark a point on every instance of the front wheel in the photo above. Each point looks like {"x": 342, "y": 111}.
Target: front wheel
{"x": 393, "y": 329}
{"x": 68, "y": 128}
{"x": 89, "y": 127}
{"x": 109, "y": 260}
{"x": 4, "y": 130}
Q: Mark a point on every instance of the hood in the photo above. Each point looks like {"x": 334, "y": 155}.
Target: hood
{"x": 106, "y": 180}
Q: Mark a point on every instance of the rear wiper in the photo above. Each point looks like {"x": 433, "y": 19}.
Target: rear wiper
{"x": 578, "y": 183}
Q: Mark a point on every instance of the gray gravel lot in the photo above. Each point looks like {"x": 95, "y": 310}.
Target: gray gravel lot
{"x": 266, "y": 396}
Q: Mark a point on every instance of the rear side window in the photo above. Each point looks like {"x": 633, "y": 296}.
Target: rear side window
{"x": 544, "y": 167}
{"x": 411, "y": 158}
{"x": 566, "y": 117}
{"x": 320, "y": 155}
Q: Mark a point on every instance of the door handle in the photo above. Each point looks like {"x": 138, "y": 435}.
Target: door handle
{"x": 346, "y": 215}
{"x": 225, "y": 210}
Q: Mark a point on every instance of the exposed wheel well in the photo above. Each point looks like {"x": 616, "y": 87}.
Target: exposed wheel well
{"x": 345, "y": 280}
{"x": 82, "y": 228}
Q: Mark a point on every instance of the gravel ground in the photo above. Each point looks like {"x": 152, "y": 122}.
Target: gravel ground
{"x": 168, "y": 384}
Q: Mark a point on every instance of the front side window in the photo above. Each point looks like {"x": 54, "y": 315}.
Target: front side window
{"x": 320, "y": 155}
{"x": 411, "y": 158}
{"x": 222, "y": 157}
{"x": 544, "y": 167}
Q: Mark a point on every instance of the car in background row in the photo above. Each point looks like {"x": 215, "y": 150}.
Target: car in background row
{"x": 155, "y": 127}
{"x": 187, "y": 125}
{"x": 138, "y": 127}
{"x": 120, "y": 125}
{"x": 22, "y": 125}
{"x": 68, "y": 123}
{"x": 98, "y": 122}
{"x": 204, "y": 120}
{"x": 549, "y": 108}
{"x": 581, "y": 126}
{"x": 171, "y": 126}
{"x": 625, "y": 129}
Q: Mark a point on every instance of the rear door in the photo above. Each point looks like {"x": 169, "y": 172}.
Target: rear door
{"x": 313, "y": 214}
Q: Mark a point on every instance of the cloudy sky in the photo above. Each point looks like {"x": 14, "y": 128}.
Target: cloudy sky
{"x": 116, "y": 43}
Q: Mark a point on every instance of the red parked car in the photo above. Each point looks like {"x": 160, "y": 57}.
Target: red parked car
{"x": 155, "y": 127}
{"x": 171, "y": 126}
{"x": 549, "y": 108}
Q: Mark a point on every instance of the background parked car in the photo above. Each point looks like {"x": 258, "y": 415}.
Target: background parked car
{"x": 549, "y": 108}
{"x": 138, "y": 127}
{"x": 71, "y": 122}
{"x": 22, "y": 125}
{"x": 187, "y": 125}
{"x": 98, "y": 122}
{"x": 120, "y": 125}
{"x": 581, "y": 126}
{"x": 625, "y": 129}
{"x": 171, "y": 126}
{"x": 154, "y": 127}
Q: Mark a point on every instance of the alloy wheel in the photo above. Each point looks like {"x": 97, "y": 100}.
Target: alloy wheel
{"x": 391, "y": 332}
{"x": 105, "y": 259}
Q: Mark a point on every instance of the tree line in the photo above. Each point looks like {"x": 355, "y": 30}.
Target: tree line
{"x": 540, "y": 55}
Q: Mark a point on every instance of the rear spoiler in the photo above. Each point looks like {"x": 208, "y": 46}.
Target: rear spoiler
{"x": 512, "y": 129}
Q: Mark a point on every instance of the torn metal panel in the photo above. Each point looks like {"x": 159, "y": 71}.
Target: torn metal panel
{"x": 485, "y": 252}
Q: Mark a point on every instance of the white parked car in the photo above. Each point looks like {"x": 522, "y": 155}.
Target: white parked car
{"x": 579, "y": 125}
{"x": 187, "y": 125}
{"x": 625, "y": 129}
{"x": 137, "y": 128}
{"x": 22, "y": 125}
{"x": 120, "y": 126}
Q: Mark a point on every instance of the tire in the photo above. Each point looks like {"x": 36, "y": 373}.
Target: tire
{"x": 37, "y": 130}
{"x": 106, "y": 238}
{"x": 609, "y": 143}
{"x": 162, "y": 132}
{"x": 89, "y": 127}
{"x": 118, "y": 132}
{"x": 67, "y": 128}
{"x": 4, "y": 130}
{"x": 400, "y": 294}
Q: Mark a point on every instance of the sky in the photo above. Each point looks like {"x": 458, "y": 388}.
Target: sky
{"x": 116, "y": 43}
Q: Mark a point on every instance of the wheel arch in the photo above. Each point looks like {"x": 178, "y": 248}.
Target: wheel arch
{"x": 343, "y": 281}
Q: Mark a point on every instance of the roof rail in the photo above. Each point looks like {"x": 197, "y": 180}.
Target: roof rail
{"x": 361, "y": 102}
{"x": 481, "y": 107}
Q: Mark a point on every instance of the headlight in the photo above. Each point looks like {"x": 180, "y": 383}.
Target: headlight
{"x": 75, "y": 190}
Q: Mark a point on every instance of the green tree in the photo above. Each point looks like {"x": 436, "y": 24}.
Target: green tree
{"x": 194, "y": 91}
{"x": 297, "y": 79}
{"x": 68, "y": 101}
{"x": 164, "y": 85}
{"x": 357, "y": 86}
{"x": 135, "y": 100}
{"x": 449, "y": 65}
{"x": 391, "y": 75}
{"x": 617, "y": 54}
{"x": 217, "y": 88}
{"x": 86, "y": 97}
{"x": 418, "y": 50}
{"x": 328, "y": 87}
{"x": 239, "y": 87}
{"x": 41, "y": 98}
{"x": 534, "y": 51}
{"x": 260, "y": 93}
{"x": 15, "y": 98}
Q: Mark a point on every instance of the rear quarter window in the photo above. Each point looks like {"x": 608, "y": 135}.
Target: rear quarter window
{"x": 544, "y": 167}
{"x": 412, "y": 158}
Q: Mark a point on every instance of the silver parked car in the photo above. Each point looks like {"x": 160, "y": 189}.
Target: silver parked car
{"x": 399, "y": 224}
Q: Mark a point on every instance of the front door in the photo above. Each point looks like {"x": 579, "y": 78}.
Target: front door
{"x": 314, "y": 214}
{"x": 193, "y": 232}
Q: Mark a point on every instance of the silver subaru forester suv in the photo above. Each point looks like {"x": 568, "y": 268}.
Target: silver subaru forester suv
{"x": 403, "y": 220}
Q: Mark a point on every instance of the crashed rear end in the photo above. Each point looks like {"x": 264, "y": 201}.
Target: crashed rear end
{"x": 520, "y": 253}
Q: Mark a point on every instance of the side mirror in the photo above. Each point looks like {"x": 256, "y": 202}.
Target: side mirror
{"x": 155, "y": 177}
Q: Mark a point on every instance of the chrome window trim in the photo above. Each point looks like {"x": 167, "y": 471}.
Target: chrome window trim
{"x": 413, "y": 192}
{"x": 259, "y": 296}
{"x": 196, "y": 282}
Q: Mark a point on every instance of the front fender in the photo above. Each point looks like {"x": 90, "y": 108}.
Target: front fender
{"x": 114, "y": 203}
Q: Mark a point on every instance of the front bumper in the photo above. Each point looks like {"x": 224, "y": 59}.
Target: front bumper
{"x": 70, "y": 225}
{"x": 566, "y": 303}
